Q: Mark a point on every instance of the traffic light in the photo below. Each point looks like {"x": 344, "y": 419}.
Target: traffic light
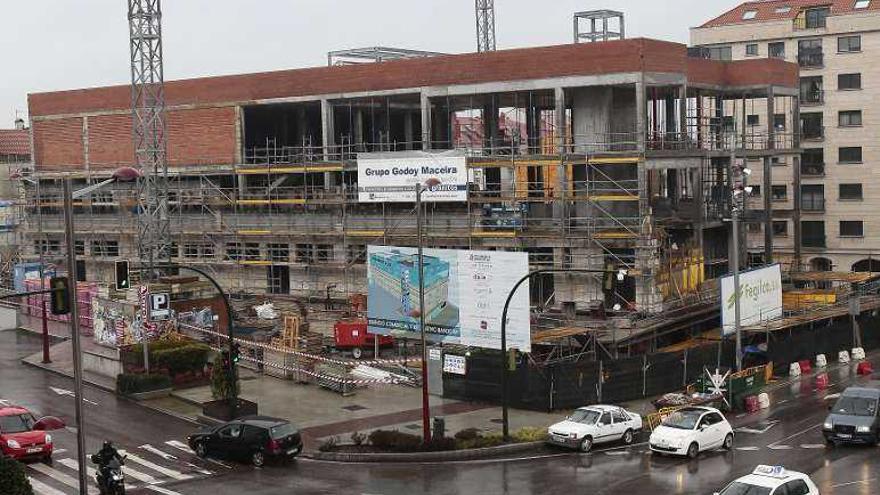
{"x": 236, "y": 353}
{"x": 123, "y": 280}
{"x": 60, "y": 295}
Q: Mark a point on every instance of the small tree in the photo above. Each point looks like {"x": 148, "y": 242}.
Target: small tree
{"x": 13, "y": 480}
{"x": 221, "y": 385}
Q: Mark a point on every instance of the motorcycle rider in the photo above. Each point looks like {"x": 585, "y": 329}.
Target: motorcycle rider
{"x": 103, "y": 458}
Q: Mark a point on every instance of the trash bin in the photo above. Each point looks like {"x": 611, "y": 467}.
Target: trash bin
{"x": 439, "y": 427}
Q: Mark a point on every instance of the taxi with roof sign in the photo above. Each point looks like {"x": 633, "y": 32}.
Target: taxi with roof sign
{"x": 771, "y": 480}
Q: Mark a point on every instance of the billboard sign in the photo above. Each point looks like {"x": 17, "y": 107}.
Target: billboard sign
{"x": 392, "y": 177}
{"x": 465, "y": 293}
{"x": 457, "y": 365}
{"x": 760, "y": 297}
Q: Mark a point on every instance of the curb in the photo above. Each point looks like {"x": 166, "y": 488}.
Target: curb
{"x": 450, "y": 455}
{"x": 61, "y": 373}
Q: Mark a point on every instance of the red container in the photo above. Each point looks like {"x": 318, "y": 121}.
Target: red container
{"x": 751, "y": 403}
{"x": 822, "y": 381}
{"x": 864, "y": 368}
{"x": 350, "y": 334}
{"x": 806, "y": 366}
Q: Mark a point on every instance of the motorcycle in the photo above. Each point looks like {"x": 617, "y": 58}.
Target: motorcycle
{"x": 110, "y": 479}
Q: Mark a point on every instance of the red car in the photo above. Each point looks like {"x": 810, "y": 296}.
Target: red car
{"x": 21, "y": 436}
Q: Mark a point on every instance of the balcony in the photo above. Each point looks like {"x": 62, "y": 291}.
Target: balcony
{"x": 812, "y": 132}
{"x": 812, "y": 97}
{"x": 808, "y": 60}
{"x": 812, "y": 169}
{"x": 813, "y": 241}
{"x": 813, "y": 203}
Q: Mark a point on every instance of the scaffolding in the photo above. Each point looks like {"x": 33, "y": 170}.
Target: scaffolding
{"x": 374, "y": 54}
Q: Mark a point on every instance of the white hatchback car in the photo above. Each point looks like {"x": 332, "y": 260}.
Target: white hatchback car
{"x": 772, "y": 480}
{"x": 595, "y": 424}
{"x": 691, "y": 430}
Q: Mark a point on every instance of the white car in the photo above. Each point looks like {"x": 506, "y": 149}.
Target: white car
{"x": 691, "y": 430}
{"x": 595, "y": 424}
{"x": 771, "y": 480}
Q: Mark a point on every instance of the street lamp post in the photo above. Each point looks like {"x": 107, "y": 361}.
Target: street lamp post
{"x": 426, "y": 407}
{"x": 123, "y": 174}
{"x": 505, "y": 430}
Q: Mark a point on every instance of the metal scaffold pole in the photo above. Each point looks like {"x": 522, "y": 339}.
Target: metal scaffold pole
{"x": 485, "y": 10}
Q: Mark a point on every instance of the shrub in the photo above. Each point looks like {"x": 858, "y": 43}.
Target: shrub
{"x": 187, "y": 358}
{"x": 468, "y": 434}
{"x": 221, "y": 385}
{"x": 478, "y": 441}
{"x": 395, "y": 441}
{"x": 127, "y": 383}
{"x": 529, "y": 434}
{"x": 439, "y": 444}
{"x": 13, "y": 479}
{"x": 358, "y": 438}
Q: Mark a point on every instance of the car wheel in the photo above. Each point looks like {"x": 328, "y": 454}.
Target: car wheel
{"x": 201, "y": 449}
{"x": 357, "y": 353}
{"x": 830, "y": 443}
{"x": 48, "y": 459}
{"x": 693, "y": 450}
{"x": 628, "y": 437}
{"x": 258, "y": 459}
{"x": 587, "y": 444}
{"x": 728, "y": 442}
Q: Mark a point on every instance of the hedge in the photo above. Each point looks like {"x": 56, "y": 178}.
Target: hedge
{"x": 174, "y": 355}
{"x": 129, "y": 383}
{"x": 13, "y": 479}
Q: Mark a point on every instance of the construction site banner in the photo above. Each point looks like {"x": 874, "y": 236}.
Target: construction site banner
{"x": 760, "y": 297}
{"x": 465, "y": 293}
{"x": 392, "y": 177}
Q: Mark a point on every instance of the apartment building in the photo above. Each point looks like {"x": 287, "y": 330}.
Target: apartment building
{"x": 836, "y": 44}
{"x": 604, "y": 156}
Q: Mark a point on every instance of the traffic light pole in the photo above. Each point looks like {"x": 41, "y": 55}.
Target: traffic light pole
{"x": 74, "y": 337}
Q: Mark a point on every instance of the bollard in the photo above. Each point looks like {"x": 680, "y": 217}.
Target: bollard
{"x": 858, "y": 353}
{"x": 794, "y": 370}
{"x": 806, "y": 365}
{"x": 821, "y": 362}
{"x": 865, "y": 368}
{"x": 821, "y": 381}
{"x": 843, "y": 357}
{"x": 763, "y": 400}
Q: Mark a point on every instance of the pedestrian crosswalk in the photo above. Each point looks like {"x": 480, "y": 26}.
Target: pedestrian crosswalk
{"x": 147, "y": 468}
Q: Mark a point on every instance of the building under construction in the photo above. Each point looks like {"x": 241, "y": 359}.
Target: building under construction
{"x": 610, "y": 155}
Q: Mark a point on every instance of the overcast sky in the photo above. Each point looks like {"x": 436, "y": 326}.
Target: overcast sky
{"x": 62, "y": 44}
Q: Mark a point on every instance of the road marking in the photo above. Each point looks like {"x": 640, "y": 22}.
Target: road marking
{"x": 759, "y": 431}
{"x": 748, "y": 449}
{"x": 164, "y": 491}
{"x": 805, "y": 430}
{"x": 155, "y": 467}
{"x": 69, "y": 393}
{"x": 185, "y": 448}
{"x": 200, "y": 469}
{"x": 812, "y": 445}
{"x": 42, "y": 488}
{"x": 59, "y": 451}
{"x": 859, "y": 482}
{"x": 60, "y": 477}
{"x": 618, "y": 452}
{"x": 70, "y": 463}
{"x": 150, "y": 448}
{"x": 780, "y": 447}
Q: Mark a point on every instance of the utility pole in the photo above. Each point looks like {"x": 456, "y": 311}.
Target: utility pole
{"x": 485, "y": 10}
{"x": 426, "y": 406}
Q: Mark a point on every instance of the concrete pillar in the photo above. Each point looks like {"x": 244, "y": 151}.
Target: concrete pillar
{"x": 327, "y": 131}
{"x": 490, "y": 124}
{"x": 408, "y": 129}
{"x": 641, "y": 129}
{"x": 532, "y": 127}
{"x": 358, "y": 129}
{"x": 591, "y": 110}
{"x": 427, "y": 131}
{"x": 768, "y": 177}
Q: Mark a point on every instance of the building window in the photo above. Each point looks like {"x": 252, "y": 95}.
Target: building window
{"x": 50, "y": 246}
{"x": 753, "y": 227}
{"x": 720, "y": 53}
{"x": 252, "y": 251}
{"x": 776, "y": 49}
{"x": 779, "y": 121}
{"x": 234, "y": 251}
{"x": 756, "y": 191}
{"x": 79, "y": 247}
{"x": 779, "y": 192}
{"x": 783, "y": 9}
{"x": 304, "y": 253}
{"x": 752, "y": 120}
{"x": 850, "y": 191}
{"x": 357, "y": 254}
{"x": 813, "y": 162}
{"x": 862, "y": 4}
{"x": 749, "y": 15}
{"x": 852, "y": 228}
{"x": 850, "y": 118}
{"x": 850, "y": 154}
{"x": 752, "y": 50}
{"x": 813, "y": 197}
{"x": 849, "y": 81}
{"x": 816, "y": 18}
{"x": 813, "y": 233}
{"x": 324, "y": 253}
{"x": 105, "y": 248}
{"x": 848, "y": 44}
{"x": 811, "y": 89}
{"x": 812, "y": 126}
{"x": 810, "y": 53}
{"x": 780, "y": 228}
{"x": 279, "y": 253}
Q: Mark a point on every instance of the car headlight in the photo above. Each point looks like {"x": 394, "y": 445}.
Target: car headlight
{"x": 828, "y": 426}
{"x": 13, "y": 444}
{"x": 572, "y": 435}
{"x": 48, "y": 439}
{"x": 863, "y": 429}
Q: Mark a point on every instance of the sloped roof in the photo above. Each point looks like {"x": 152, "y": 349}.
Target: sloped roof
{"x": 773, "y": 10}
{"x": 15, "y": 142}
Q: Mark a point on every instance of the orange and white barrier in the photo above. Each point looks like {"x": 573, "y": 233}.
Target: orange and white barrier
{"x": 794, "y": 370}
{"x": 843, "y": 357}
{"x": 821, "y": 362}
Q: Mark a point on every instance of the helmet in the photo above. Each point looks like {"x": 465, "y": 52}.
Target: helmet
{"x": 108, "y": 444}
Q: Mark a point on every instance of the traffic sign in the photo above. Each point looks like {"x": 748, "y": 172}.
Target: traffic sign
{"x": 160, "y": 306}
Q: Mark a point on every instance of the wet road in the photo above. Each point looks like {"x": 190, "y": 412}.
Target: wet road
{"x": 789, "y": 434}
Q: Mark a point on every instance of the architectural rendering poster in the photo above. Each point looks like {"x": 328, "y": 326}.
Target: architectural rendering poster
{"x": 464, "y": 295}
{"x": 392, "y": 177}
{"x": 760, "y": 297}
